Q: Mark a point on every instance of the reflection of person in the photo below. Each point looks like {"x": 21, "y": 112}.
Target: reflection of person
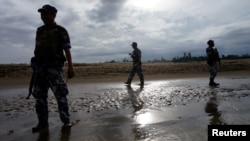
{"x": 212, "y": 58}
{"x": 212, "y": 109}
{"x": 137, "y": 103}
{"x": 43, "y": 135}
{"x": 52, "y": 41}
{"x": 65, "y": 134}
{"x": 136, "y": 56}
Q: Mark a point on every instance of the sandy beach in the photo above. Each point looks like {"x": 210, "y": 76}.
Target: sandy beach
{"x": 165, "y": 109}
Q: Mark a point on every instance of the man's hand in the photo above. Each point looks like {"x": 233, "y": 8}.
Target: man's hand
{"x": 71, "y": 73}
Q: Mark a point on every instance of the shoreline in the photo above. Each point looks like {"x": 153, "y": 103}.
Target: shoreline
{"x": 8, "y": 82}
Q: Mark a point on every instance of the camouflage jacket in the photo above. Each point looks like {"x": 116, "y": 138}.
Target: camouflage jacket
{"x": 50, "y": 42}
{"x": 136, "y": 55}
{"x": 212, "y": 55}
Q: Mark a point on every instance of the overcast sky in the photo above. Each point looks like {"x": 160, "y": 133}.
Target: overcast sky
{"x": 102, "y": 30}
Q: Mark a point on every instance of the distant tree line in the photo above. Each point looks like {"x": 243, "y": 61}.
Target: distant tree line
{"x": 235, "y": 56}
{"x": 187, "y": 56}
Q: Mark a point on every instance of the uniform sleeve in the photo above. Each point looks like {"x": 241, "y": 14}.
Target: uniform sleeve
{"x": 65, "y": 38}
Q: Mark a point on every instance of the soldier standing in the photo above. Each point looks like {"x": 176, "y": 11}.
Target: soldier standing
{"x": 212, "y": 59}
{"x": 136, "y": 56}
{"x": 52, "y": 45}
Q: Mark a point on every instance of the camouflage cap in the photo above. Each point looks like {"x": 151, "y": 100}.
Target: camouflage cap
{"x": 209, "y": 42}
{"x": 48, "y": 8}
{"x": 134, "y": 44}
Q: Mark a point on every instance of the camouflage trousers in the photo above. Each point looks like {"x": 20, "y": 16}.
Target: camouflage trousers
{"x": 212, "y": 70}
{"x": 136, "y": 69}
{"x": 46, "y": 77}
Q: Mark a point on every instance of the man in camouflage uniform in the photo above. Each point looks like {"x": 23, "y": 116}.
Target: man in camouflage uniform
{"x": 136, "y": 56}
{"x": 212, "y": 58}
{"x": 52, "y": 41}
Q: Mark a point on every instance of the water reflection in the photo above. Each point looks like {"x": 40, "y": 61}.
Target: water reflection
{"x": 65, "y": 133}
{"x": 212, "y": 109}
{"x": 43, "y": 135}
{"x": 141, "y": 117}
{"x": 137, "y": 102}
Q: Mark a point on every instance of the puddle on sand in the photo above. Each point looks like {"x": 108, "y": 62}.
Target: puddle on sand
{"x": 161, "y": 110}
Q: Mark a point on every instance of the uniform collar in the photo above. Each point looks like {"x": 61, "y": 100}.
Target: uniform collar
{"x": 51, "y": 26}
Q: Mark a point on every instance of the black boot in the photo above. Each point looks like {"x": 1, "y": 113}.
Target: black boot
{"x": 40, "y": 127}
{"x": 128, "y": 82}
{"x": 216, "y": 84}
{"x": 142, "y": 80}
{"x": 212, "y": 83}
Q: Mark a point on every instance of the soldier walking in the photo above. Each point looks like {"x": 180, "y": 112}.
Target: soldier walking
{"x": 136, "y": 57}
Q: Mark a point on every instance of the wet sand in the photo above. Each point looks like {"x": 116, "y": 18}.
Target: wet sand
{"x": 164, "y": 109}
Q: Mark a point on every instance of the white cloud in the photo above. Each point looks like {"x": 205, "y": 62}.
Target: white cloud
{"x": 102, "y": 30}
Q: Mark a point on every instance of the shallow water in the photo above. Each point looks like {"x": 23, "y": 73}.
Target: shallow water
{"x": 160, "y": 111}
